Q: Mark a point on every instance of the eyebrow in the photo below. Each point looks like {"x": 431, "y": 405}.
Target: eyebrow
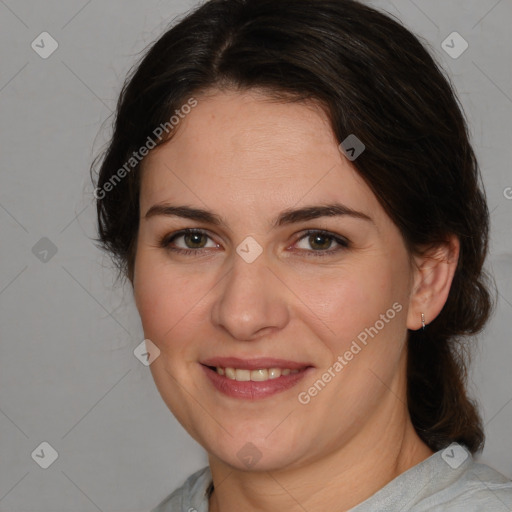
{"x": 286, "y": 217}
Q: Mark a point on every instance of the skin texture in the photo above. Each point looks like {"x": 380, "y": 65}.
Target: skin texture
{"x": 248, "y": 158}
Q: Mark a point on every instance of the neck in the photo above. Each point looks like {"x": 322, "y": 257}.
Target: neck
{"x": 337, "y": 482}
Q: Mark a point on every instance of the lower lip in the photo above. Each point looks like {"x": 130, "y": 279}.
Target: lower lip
{"x": 253, "y": 390}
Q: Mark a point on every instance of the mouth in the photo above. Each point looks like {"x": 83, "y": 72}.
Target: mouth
{"x": 259, "y": 375}
{"x": 254, "y": 378}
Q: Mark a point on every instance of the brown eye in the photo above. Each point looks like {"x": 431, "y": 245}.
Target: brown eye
{"x": 319, "y": 243}
{"x": 187, "y": 241}
{"x": 194, "y": 240}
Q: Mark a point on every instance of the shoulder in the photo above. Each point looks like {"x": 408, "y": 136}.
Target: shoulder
{"x": 448, "y": 481}
{"x": 191, "y": 496}
{"x": 479, "y": 488}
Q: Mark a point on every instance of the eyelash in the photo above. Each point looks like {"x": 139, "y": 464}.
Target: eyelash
{"x": 165, "y": 242}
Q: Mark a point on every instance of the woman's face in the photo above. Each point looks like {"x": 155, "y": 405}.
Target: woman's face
{"x": 330, "y": 293}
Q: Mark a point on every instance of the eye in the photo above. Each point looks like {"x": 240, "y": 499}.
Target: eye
{"x": 318, "y": 243}
{"x": 315, "y": 242}
{"x": 192, "y": 241}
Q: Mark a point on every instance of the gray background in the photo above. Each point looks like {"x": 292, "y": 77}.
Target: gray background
{"x": 68, "y": 374}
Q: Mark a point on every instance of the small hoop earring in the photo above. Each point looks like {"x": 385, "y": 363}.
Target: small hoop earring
{"x": 422, "y": 321}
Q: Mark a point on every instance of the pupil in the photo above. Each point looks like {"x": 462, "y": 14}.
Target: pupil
{"x": 315, "y": 238}
{"x": 196, "y": 238}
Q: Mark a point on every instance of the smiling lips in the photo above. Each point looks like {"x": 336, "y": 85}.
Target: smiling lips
{"x": 259, "y": 375}
{"x": 253, "y": 378}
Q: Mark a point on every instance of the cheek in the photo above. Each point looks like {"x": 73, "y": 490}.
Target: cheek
{"x": 169, "y": 301}
{"x": 362, "y": 309}
{"x": 155, "y": 294}
{"x": 351, "y": 298}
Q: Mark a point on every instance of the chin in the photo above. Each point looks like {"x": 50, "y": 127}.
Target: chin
{"x": 254, "y": 453}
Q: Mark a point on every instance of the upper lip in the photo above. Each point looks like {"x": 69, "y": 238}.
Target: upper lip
{"x": 253, "y": 364}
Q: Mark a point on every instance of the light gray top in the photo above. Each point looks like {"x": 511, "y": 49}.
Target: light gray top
{"x": 449, "y": 480}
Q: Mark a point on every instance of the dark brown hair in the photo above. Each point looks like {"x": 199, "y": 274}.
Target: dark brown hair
{"x": 375, "y": 80}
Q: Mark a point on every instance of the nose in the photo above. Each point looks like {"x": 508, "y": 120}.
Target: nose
{"x": 251, "y": 301}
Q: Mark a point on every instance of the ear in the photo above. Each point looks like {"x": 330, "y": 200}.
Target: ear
{"x": 433, "y": 275}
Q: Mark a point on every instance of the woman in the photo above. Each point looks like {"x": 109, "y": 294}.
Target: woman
{"x": 291, "y": 191}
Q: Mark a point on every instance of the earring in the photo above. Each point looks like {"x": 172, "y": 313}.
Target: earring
{"x": 422, "y": 321}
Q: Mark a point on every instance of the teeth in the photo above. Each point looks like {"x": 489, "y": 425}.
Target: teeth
{"x": 274, "y": 373}
{"x": 254, "y": 375}
{"x": 230, "y": 373}
{"x": 242, "y": 375}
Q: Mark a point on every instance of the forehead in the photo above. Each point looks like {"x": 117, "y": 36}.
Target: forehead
{"x": 244, "y": 148}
